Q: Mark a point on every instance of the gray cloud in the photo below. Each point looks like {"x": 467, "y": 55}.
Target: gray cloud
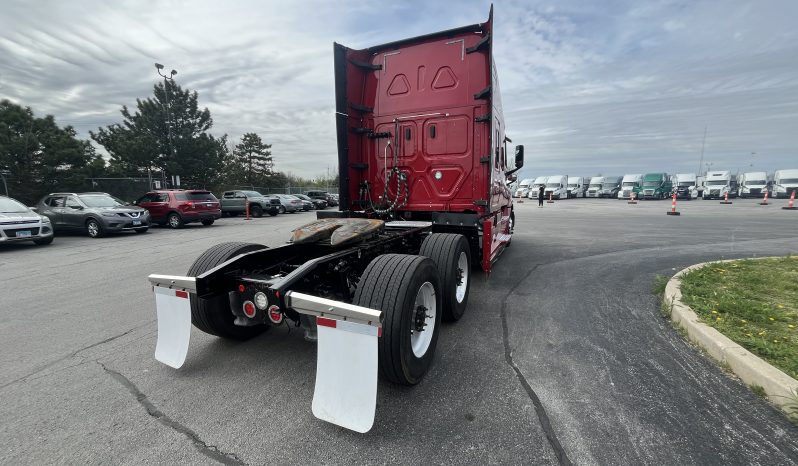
{"x": 601, "y": 87}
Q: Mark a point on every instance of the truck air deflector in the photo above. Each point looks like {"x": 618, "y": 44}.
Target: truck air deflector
{"x": 482, "y": 43}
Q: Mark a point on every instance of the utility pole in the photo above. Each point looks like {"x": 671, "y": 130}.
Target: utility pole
{"x": 166, "y": 80}
{"x": 701, "y": 162}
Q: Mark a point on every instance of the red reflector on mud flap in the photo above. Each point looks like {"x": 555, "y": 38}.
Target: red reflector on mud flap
{"x": 181, "y": 294}
{"x": 325, "y": 322}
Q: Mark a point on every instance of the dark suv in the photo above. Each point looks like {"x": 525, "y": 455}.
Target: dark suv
{"x": 323, "y": 195}
{"x": 176, "y": 207}
{"x": 94, "y": 213}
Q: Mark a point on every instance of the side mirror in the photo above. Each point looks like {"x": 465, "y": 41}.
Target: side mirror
{"x": 512, "y": 178}
{"x": 519, "y": 160}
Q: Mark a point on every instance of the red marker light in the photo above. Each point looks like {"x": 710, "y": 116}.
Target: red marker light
{"x": 275, "y": 315}
{"x": 249, "y": 309}
{"x": 241, "y": 288}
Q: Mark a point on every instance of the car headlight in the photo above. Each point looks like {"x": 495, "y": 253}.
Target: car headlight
{"x": 45, "y": 219}
{"x": 108, "y": 214}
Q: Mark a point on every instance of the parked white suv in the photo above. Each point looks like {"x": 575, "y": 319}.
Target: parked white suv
{"x": 19, "y": 223}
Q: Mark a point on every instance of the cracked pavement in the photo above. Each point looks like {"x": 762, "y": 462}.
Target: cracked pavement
{"x": 561, "y": 357}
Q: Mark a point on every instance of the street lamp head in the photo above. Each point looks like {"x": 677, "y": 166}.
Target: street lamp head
{"x": 159, "y": 66}
{"x": 174, "y": 72}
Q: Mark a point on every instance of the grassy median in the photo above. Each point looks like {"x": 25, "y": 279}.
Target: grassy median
{"x": 753, "y": 302}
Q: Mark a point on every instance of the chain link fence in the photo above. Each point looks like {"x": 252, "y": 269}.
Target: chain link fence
{"x": 285, "y": 190}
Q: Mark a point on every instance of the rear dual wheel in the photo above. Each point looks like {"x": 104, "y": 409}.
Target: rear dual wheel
{"x": 407, "y": 289}
{"x": 214, "y": 315}
{"x": 452, "y": 255}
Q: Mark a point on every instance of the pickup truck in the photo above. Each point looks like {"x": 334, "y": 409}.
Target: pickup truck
{"x": 235, "y": 202}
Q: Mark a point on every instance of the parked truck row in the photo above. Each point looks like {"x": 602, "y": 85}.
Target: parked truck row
{"x": 660, "y": 185}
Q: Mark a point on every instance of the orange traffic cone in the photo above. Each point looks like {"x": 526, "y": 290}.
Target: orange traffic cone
{"x": 791, "y": 204}
{"x": 765, "y": 201}
{"x": 632, "y": 199}
{"x": 550, "y": 201}
{"x": 673, "y": 207}
{"x": 726, "y": 199}
{"x": 247, "y": 209}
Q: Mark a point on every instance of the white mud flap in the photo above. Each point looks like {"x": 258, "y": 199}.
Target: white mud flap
{"x": 174, "y": 326}
{"x": 346, "y": 374}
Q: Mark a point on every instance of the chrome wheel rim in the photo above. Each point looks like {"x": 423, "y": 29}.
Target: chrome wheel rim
{"x": 462, "y": 277}
{"x": 422, "y": 325}
{"x": 93, "y": 228}
{"x": 174, "y": 221}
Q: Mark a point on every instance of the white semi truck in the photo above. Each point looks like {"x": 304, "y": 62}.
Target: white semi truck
{"x": 630, "y": 184}
{"x": 785, "y": 182}
{"x": 523, "y": 188}
{"x": 557, "y": 187}
{"x": 576, "y": 186}
{"x": 594, "y": 188}
{"x": 752, "y": 184}
{"x": 719, "y": 184}
{"x": 686, "y": 186}
{"x": 535, "y": 187}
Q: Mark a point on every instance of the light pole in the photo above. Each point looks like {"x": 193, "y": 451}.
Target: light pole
{"x": 166, "y": 80}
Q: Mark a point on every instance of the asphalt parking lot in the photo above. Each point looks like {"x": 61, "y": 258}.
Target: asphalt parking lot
{"x": 561, "y": 357}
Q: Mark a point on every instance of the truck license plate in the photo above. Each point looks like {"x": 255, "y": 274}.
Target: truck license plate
{"x": 23, "y": 234}
{"x": 136, "y": 222}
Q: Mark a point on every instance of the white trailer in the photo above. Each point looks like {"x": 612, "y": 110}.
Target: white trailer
{"x": 785, "y": 182}
{"x": 535, "y": 187}
{"x": 576, "y": 186}
{"x": 630, "y": 183}
{"x": 594, "y": 188}
{"x": 719, "y": 184}
{"x": 556, "y": 187}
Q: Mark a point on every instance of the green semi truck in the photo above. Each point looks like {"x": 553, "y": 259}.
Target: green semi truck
{"x": 656, "y": 186}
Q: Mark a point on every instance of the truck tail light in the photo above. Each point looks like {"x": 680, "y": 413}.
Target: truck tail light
{"x": 275, "y": 315}
{"x": 249, "y": 309}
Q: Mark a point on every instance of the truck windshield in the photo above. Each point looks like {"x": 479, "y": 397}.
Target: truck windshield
{"x": 651, "y": 184}
{"x": 101, "y": 200}
{"x": 789, "y": 181}
{"x": 553, "y": 185}
{"x": 573, "y": 185}
{"x": 597, "y": 185}
{"x": 608, "y": 185}
{"x": 10, "y": 206}
{"x": 718, "y": 183}
{"x": 755, "y": 182}
{"x": 523, "y": 186}
{"x": 687, "y": 184}
{"x": 629, "y": 183}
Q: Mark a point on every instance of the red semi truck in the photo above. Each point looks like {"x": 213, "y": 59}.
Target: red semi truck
{"x": 424, "y": 170}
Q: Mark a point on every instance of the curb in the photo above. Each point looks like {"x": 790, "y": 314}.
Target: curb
{"x": 751, "y": 369}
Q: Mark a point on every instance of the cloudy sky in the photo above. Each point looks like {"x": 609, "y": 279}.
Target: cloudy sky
{"x": 588, "y": 86}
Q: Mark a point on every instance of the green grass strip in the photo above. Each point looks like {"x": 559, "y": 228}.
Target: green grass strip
{"x": 753, "y": 302}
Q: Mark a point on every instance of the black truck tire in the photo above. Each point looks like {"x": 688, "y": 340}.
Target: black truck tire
{"x": 256, "y": 211}
{"x": 448, "y": 251}
{"x": 213, "y": 316}
{"x": 393, "y": 284}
